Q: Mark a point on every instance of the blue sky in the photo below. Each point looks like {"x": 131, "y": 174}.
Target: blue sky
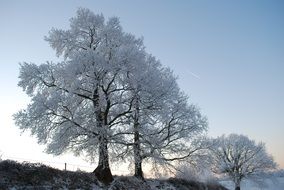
{"x": 229, "y": 56}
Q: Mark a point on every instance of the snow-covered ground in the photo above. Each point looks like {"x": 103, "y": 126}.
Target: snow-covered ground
{"x": 277, "y": 184}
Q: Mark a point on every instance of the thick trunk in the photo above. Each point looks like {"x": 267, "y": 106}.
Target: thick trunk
{"x": 138, "y": 170}
{"x": 238, "y": 185}
{"x": 137, "y": 156}
{"x": 103, "y": 172}
{"x": 137, "y": 148}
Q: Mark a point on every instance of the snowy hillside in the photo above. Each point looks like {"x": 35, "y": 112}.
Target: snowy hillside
{"x": 277, "y": 184}
{"x": 16, "y": 176}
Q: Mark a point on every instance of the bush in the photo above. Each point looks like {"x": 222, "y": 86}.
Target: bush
{"x": 190, "y": 173}
{"x": 29, "y": 174}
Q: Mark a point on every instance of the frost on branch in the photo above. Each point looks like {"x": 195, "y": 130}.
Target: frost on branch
{"x": 238, "y": 157}
{"x": 77, "y": 104}
{"x": 162, "y": 123}
{"x": 108, "y": 99}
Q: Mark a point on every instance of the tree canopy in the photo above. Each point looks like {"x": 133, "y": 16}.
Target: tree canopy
{"x": 240, "y": 158}
{"x": 109, "y": 98}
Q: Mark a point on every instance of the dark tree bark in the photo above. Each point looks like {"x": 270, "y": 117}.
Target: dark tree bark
{"x": 137, "y": 156}
{"x": 238, "y": 184}
{"x": 103, "y": 172}
{"x": 137, "y": 149}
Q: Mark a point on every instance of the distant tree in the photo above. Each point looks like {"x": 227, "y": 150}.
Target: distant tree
{"x": 80, "y": 103}
{"x": 238, "y": 157}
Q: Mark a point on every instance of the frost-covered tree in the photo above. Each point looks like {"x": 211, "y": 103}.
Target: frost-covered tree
{"x": 238, "y": 157}
{"x": 149, "y": 82}
{"x": 108, "y": 99}
{"x": 162, "y": 122}
{"x": 78, "y": 104}
{"x": 173, "y": 135}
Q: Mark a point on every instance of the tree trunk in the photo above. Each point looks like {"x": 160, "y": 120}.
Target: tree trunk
{"x": 137, "y": 156}
{"x": 137, "y": 149}
{"x": 103, "y": 172}
{"x": 238, "y": 185}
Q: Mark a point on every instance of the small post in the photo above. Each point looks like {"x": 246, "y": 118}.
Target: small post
{"x": 65, "y": 165}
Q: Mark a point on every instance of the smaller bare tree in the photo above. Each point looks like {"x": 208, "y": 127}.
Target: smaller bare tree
{"x": 240, "y": 158}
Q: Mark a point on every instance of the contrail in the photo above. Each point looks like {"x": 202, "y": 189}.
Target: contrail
{"x": 193, "y": 74}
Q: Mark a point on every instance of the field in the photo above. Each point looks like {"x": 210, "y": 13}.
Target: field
{"x": 277, "y": 184}
{"x": 19, "y": 176}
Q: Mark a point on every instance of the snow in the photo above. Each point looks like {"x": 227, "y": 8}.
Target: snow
{"x": 277, "y": 184}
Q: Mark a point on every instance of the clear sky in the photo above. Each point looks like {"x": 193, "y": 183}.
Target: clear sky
{"x": 229, "y": 56}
